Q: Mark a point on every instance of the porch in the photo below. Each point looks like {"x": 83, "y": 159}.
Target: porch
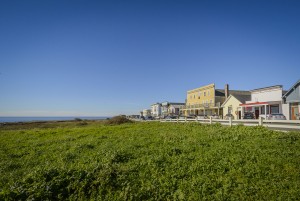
{"x": 208, "y": 109}
{"x": 261, "y": 108}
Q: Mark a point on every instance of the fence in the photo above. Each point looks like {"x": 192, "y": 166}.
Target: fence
{"x": 278, "y": 124}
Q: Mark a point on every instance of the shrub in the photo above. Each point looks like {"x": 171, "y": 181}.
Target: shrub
{"x": 148, "y": 161}
{"x": 83, "y": 123}
{"x": 78, "y": 119}
{"x": 117, "y": 120}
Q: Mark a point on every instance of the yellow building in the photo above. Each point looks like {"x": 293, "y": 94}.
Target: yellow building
{"x": 231, "y": 106}
{"x": 207, "y": 100}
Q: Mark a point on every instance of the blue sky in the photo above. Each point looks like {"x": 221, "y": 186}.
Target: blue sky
{"x": 104, "y": 58}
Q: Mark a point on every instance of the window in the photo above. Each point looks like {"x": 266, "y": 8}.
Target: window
{"x": 208, "y": 93}
{"x": 248, "y": 109}
{"x": 262, "y": 109}
{"x": 194, "y": 96}
{"x": 210, "y": 101}
{"x": 229, "y": 109}
{"x": 204, "y": 93}
{"x": 274, "y": 109}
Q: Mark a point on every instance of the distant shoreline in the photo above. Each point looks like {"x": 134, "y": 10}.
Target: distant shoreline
{"x": 43, "y": 119}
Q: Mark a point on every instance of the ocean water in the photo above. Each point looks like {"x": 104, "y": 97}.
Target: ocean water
{"x": 28, "y": 119}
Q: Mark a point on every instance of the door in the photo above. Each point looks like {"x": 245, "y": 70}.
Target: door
{"x": 256, "y": 113}
{"x": 294, "y": 113}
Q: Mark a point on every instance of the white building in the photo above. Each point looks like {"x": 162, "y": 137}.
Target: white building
{"x": 146, "y": 113}
{"x": 174, "y": 108}
{"x": 156, "y": 110}
{"x": 170, "y": 108}
{"x": 264, "y": 101}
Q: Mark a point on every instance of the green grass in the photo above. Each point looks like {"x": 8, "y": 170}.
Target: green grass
{"x": 147, "y": 161}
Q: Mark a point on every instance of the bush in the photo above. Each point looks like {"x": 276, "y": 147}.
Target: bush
{"x": 148, "y": 161}
{"x": 83, "y": 123}
{"x": 117, "y": 120}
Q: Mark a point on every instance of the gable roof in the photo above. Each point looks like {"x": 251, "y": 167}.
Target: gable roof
{"x": 265, "y": 88}
{"x": 240, "y": 97}
{"x": 243, "y": 98}
{"x": 291, "y": 89}
{"x": 171, "y": 103}
{"x": 221, "y": 92}
{"x": 239, "y": 92}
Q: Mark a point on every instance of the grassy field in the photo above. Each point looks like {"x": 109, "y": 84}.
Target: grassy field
{"x": 147, "y": 161}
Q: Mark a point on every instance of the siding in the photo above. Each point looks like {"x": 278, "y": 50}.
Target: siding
{"x": 286, "y": 111}
{"x": 294, "y": 95}
{"x": 194, "y": 98}
{"x": 266, "y": 95}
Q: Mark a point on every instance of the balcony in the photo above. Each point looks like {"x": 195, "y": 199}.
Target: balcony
{"x": 202, "y": 106}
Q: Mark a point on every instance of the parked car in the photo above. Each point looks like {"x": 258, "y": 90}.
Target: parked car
{"x": 171, "y": 117}
{"x": 215, "y": 116}
{"x": 187, "y": 117}
{"x": 202, "y": 117}
{"x": 276, "y": 117}
{"x": 149, "y": 118}
{"x": 227, "y": 116}
{"x": 248, "y": 115}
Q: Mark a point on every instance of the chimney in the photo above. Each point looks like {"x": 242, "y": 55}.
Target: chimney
{"x": 226, "y": 91}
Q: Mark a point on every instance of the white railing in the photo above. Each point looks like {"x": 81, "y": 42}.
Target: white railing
{"x": 280, "y": 124}
{"x": 204, "y": 105}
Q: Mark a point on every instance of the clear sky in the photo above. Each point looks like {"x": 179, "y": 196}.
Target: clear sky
{"x": 103, "y": 58}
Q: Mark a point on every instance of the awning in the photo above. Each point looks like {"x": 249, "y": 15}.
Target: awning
{"x": 254, "y": 104}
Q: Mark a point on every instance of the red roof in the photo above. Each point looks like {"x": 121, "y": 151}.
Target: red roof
{"x": 256, "y": 103}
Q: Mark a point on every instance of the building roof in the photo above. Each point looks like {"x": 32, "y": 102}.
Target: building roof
{"x": 171, "y": 103}
{"x": 240, "y": 97}
{"x": 176, "y": 106}
{"x": 243, "y": 98}
{"x": 291, "y": 89}
{"x": 221, "y": 92}
{"x": 156, "y": 103}
{"x": 265, "y": 88}
{"x": 201, "y": 88}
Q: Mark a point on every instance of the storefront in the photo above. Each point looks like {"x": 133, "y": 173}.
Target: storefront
{"x": 261, "y": 108}
{"x": 264, "y": 101}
